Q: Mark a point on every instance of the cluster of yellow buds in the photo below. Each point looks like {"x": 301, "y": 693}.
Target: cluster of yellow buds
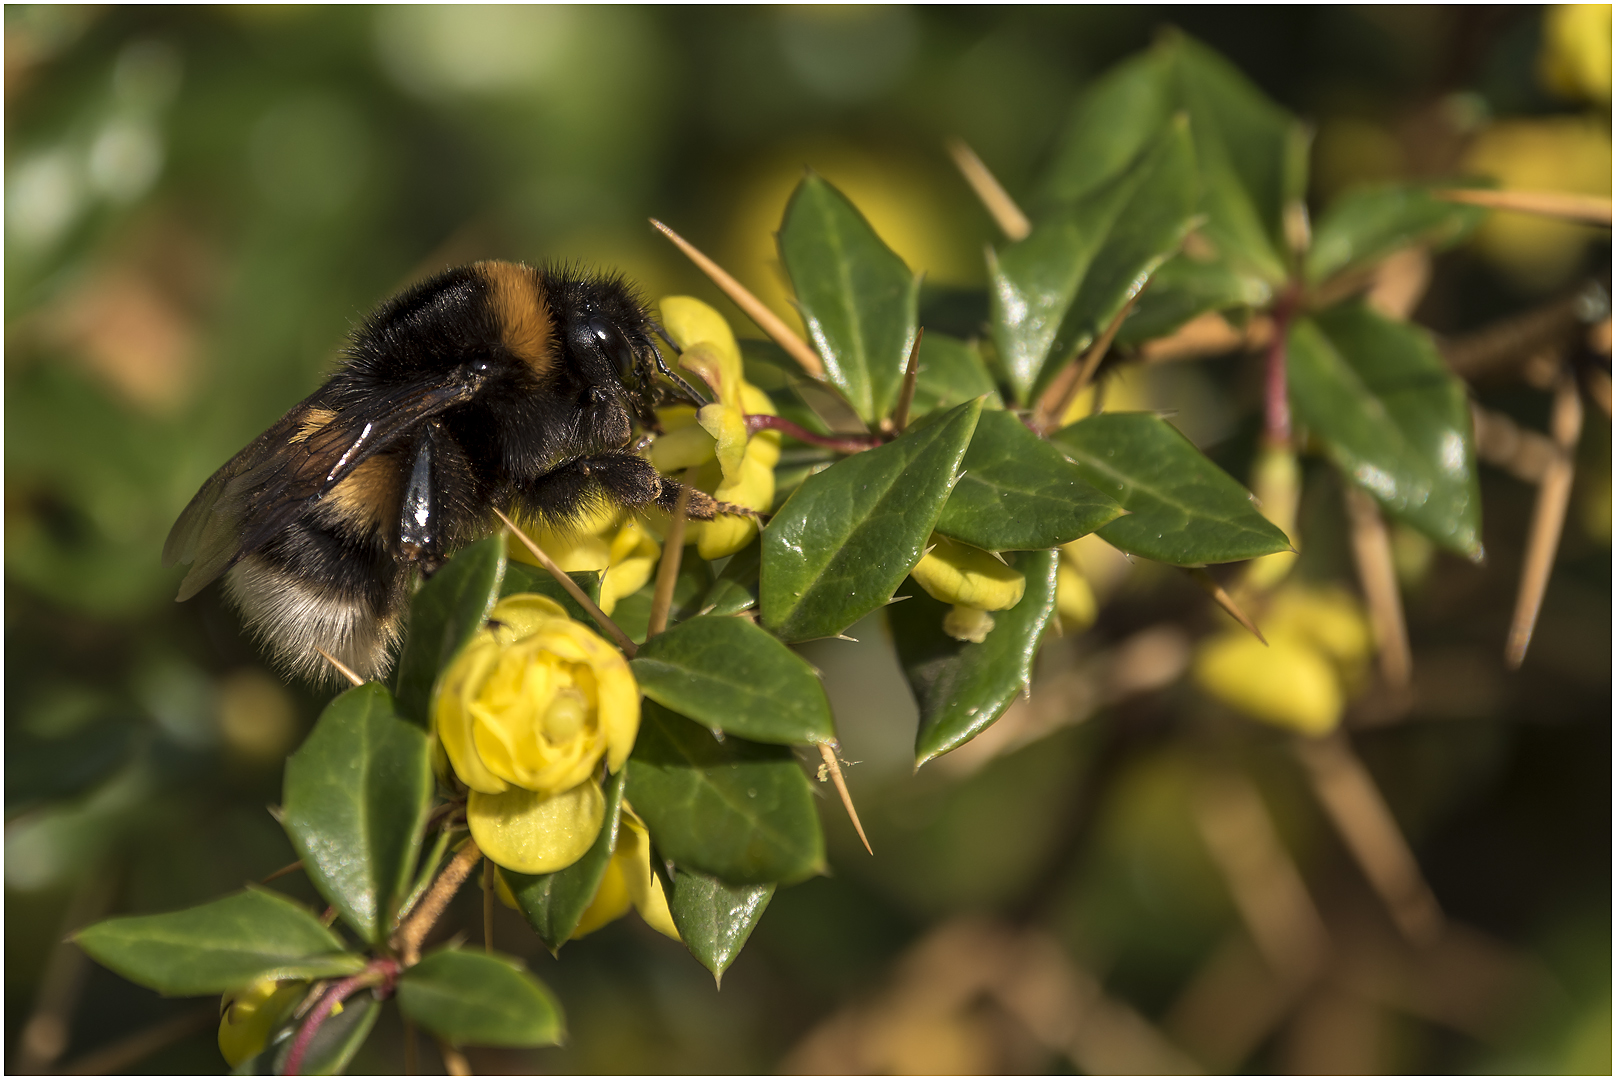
{"x": 609, "y": 540}
{"x": 974, "y": 581}
{"x": 732, "y": 465}
{"x": 1317, "y": 653}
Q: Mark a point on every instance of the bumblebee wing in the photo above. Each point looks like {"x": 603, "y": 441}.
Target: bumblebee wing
{"x": 313, "y": 448}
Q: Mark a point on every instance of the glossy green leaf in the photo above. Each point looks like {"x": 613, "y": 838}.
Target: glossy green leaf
{"x": 1391, "y": 416}
{"x": 521, "y": 577}
{"x": 338, "y": 1040}
{"x": 963, "y": 688}
{"x": 1182, "y": 508}
{"x": 553, "y": 903}
{"x": 216, "y": 947}
{"x": 1251, "y": 153}
{"x": 849, "y": 535}
{"x": 858, "y": 299}
{"x": 713, "y": 919}
{"x": 736, "y": 588}
{"x": 1368, "y": 224}
{"x": 1019, "y": 492}
{"x": 739, "y": 810}
{"x": 1183, "y": 288}
{"x": 736, "y": 678}
{"x": 356, "y": 798}
{"x": 950, "y": 372}
{"x": 449, "y": 608}
{"x": 479, "y": 999}
{"x": 1056, "y": 291}
{"x": 633, "y": 612}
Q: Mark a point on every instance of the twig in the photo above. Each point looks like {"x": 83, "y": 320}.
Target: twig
{"x": 1276, "y": 385}
{"x": 1586, "y": 209}
{"x": 906, "y": 396}
{"x": 827, "y": 750}
{"x": 45, "y": 1035}
{"x": 1065, "y": 388}
{"x": 1548, "y": 519}
{"x": 142, "y": 1044}
{"x": 1509, "y": 345}
{"x": 1263, "y": 880}
{"x": 454, "y": 1062}
{"x": 1361, "y": 816}
{"x": 1597, "y": 382}
{"x": 842, "y": 444}
{"x": 1221, "y": 595}
{"x": 1006, "y": 214}
{"x": 604, "y": 621}
{"x": 1523, "y": 453}
{"x": 673, "y": 549}
{"x": 282, "y": 872}
{"x": 407, "y": 942}
{"x": 488, "y": 905}
{"x": 755, "y": 309}
{"x": 1372, "y": 550}
{"x": 378, "y": 972}
{"x": 1207, "y": 335}
{"x": 347, "y": 672}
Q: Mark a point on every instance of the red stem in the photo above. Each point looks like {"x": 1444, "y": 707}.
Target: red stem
{"x": 1276, "y": 390}
{"x": 846, "y": 444}
{"x": 382, "y": 972}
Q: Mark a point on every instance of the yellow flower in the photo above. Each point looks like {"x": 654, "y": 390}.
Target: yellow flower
{"x": 525, "y": 714}
{"x": 716, "y": 435}
{"x": 1276, "y": 480}
{"x": 250, "y": 1015}
{"x": 970, "y": 579}
{"x": 624, "y": 549}
{"x": 1318, "y": 647}
{"x": 1575, "y": 61}
{"x": 629, "y": 882}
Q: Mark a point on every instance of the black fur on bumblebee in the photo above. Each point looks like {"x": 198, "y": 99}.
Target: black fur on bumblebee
{"x": 491, "y": 385}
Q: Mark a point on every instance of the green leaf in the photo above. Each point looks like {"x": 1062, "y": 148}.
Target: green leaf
{"x": 733, "y": 677}
{"x": 736, "y": 589}
{"x": 1183, "y": 288}
{"x": 450, "y": 607}
{"x": 950, "y": 372}
{"x": 633, "y": 612}
{"x": 1056, "y": 291}
{"x": 356, "y": 798}
{"x": 521, "y": 577}
{"x": 739, "y": 810}
{"x": 858, "y": 299}
{"x": 849, "y": 535}
{"x": 479, "y": 999}
{"x": 1391, "y": 416}
{"x": 1368, "y": 224}
{"x": 963, "y": 688}
{"x": 713, "y": 919}
{"x": 553, "y": 903}
{"x": 1250, "y": 152}
{"x": 338, "y": 1040}
{"x": 1019, "y": 493}
{"x": 218, "y": 946}
{"x": 1183, "y": 509}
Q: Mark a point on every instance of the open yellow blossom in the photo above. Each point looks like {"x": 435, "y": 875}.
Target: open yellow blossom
{"x": 525, "y": 714}
{"x": 733, "y": 467}
{"x": 970, "y": 579}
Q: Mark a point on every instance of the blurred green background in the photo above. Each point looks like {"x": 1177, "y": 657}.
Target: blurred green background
{"x": 200, "y": 203}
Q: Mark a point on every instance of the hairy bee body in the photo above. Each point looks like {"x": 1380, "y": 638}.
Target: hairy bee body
{"x": 493, "y": 385}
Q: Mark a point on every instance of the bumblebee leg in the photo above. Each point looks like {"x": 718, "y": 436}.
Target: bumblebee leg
{"x": 420, "y": 539}
{"x": 622, "y": 478}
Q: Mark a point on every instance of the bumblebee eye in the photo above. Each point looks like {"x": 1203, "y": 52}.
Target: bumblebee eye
{"x": 616, "y": 347}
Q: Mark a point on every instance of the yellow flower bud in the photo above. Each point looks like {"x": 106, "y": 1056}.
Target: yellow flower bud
{"x": 525, "y": 714}
{"x": 1287, "y": 682}
{"x": 629, "y": 882}
{"x": 1074, "y": 598}
{"x": 250, "y": 1015}
{"x": 957, "y": 573}
{"x": 688, "y": 321}
{"x": 964, "y": 623}
{"x": 1276, "y": 480}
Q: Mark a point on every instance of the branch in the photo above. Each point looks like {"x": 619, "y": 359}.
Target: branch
{"x": 602, "y": 620}
{"x": 842, "y": 444}
{"x": 407, "y": 941}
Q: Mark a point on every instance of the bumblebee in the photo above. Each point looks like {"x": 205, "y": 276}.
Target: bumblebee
{"x": 492, "y": 385}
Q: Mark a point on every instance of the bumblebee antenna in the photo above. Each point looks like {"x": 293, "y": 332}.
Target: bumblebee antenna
{"x": 662, "y": 365}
